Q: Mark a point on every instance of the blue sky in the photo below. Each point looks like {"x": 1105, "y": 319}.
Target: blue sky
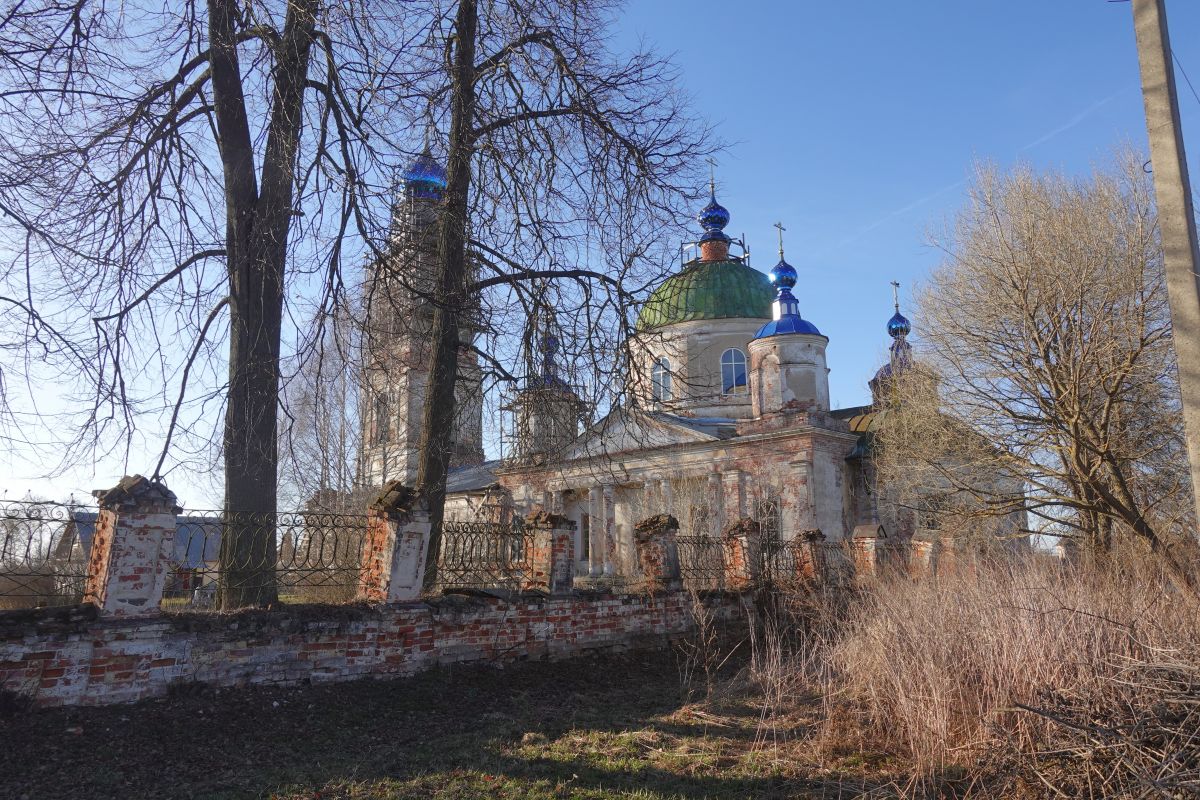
{"x": 857, "y": 124}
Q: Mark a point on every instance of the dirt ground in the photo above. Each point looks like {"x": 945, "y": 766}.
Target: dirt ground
{"x": 611, "y": 727}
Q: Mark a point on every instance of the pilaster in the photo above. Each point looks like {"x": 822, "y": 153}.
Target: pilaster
{"x": 610, "y": 531}
{"x": 595, "y": 532}
{"x": 743, "y": 555}
{"x": 552, "y": 557}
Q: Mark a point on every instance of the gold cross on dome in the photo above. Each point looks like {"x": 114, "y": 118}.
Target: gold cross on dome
{"x": 712, "y": 176}
{"x": 896, "y": 295}
{"x": 779, "y": 226}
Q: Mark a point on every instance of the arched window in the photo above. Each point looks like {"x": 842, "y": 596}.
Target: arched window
{"x": 660, "y": 380}
{"x": 733, "y": 372}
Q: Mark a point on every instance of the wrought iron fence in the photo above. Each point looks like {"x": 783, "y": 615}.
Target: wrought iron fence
{"x": 43, "y": 553}
{"x": 313, "y": 557}
{"x": 484, "y": 555}
{"x": 701, "y": 562}
{"x": 785, "y": 560}
{"x": 790, "y": 561}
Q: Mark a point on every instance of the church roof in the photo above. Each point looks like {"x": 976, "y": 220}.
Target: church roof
{"x": 718, "y": 427}
{"x": 792, "y": 323}
{"x": 472, "y": 479}
{"x": 709, "y": 290}
{"x": 849, "y": 412}
{"x": 197, "y": 539}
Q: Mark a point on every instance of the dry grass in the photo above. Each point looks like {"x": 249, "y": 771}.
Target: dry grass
{"x": 1013, "y": 678}
{"x": 938, "y": 666}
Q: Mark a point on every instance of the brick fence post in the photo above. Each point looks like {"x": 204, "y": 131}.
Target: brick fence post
{"x": 552, "y": 553}
{"x": 658, "y": 552}
{"x": 743, "y": 555}
{"x": 131, "y": 547}
{"x": 393, "y": 558}
{"x": 868, "y": 544}
{"x": 810, "y": 562}
{"x": 924, "y": 549}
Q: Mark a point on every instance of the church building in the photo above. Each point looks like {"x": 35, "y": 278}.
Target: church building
{"x": 728, "y": 413}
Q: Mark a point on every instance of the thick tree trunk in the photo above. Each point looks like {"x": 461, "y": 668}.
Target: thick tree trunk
{"x": 257, "y": 225}
{"x": 449, "y": 288}
{"x": 248, "y": 543}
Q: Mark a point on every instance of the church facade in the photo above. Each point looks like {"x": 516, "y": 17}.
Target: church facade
{"x": 728, "y": 415}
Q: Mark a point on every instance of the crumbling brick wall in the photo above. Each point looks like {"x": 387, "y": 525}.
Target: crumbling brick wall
{"x": 76, "y": 657}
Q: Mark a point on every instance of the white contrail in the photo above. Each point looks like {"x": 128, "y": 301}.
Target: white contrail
{"x": 887, "y": 217}
{"x": 1078, "y": 118}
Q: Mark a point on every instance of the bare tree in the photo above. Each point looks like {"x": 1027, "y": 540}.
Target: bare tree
{"x": 172, "y": 175}
{"x": 321, "y": 436}
{"x": 134, "y": 132}
{"x": 1046, "y": 364}
{"x": 563, "y": 159}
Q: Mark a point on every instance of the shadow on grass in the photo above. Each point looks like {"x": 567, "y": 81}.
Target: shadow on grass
{"x": 565, "y": 729}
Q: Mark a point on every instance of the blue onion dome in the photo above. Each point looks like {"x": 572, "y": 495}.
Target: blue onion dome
{"x": 424, "y": 177}
{"x": 713, "y": 218}
{"x": 898, "y": 325}
{"x": 783, "y": 275}
{"x": 549, "y": 377}
{"x": 786, "y": 309}
{"x": 900, "y": 359}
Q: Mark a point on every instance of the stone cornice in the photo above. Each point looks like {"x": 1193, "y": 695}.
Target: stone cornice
{"x": 621, "y": 465}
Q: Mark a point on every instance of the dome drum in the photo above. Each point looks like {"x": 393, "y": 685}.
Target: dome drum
{"x": 790, "y": 373}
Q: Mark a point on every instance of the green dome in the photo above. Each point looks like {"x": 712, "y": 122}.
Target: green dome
{"x": 709, "y": 290}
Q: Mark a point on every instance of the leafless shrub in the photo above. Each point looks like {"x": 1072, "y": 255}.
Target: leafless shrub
{"x": 1139, "y": 738}
{"x": 703, "y": 652}
{"x": 942, "y": 672}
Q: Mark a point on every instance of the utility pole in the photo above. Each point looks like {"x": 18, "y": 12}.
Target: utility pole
{"x": 1176, "y": 217}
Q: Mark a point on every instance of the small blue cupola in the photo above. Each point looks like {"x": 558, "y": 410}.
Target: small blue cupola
{"x": 785, "y": 311}
{"x": 899, "y": 354}
{"x": 713, "y": 218}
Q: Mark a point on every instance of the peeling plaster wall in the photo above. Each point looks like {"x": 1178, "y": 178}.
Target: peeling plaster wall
{"x": 789, "y": 372}
{"x": 786, "y": 458}
{"x": 695, "y": 349}
{"x": 828, "y": 495}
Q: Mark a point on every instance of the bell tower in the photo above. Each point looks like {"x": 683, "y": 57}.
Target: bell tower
{"x": 397, "y": 340}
